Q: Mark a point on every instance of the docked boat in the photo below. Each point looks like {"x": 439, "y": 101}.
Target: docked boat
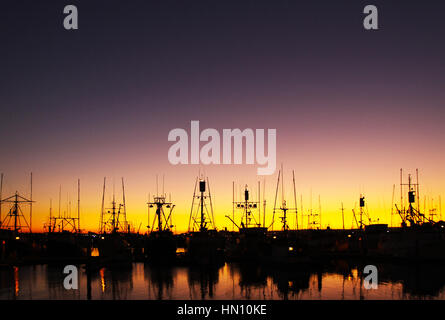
{"x": 160, "y": 245}
{"x": 204, "y": 245}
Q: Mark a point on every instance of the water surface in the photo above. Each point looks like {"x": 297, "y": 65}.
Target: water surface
{"x": 339, "y": 280}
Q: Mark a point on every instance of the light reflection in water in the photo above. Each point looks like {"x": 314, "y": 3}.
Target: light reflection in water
{"x": 102, "y": 279}
{"x": 94, "y": 252}
{"x": 231, "y": 281}
{"x": 16, "y": 282}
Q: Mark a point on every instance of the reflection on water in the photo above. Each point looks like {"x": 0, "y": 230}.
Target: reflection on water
{"x": 339, "y": 280}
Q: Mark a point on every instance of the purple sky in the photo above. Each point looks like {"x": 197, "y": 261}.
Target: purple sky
{"x": 101, "y": 100}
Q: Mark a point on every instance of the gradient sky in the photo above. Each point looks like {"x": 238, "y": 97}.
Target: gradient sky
{"x": 351, "y": 107}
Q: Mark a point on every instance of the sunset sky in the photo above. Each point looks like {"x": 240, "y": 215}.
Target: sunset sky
{"x": 351, "y": 107}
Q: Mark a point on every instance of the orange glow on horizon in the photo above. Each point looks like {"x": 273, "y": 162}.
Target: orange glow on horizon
{"x": 179, "y": 183}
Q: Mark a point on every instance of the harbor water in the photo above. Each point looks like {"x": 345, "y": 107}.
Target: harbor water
{"x": 336, "y": 281}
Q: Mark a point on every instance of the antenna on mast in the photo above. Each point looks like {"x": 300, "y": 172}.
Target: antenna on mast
{"x": 362, "y": 205}
{"x": 30, "y": 209}
{"x": 102, "y": 210}
{"x": 282, "y": 185}
{"x": 233, "y": 205}
{"x": 259, "y": 202}
{"x": 125, "y": 224}
{"x": 295, "y": 199}
{"x": 78, "y": 205}
{"x": 60, "y": 199}
{"x": 392, "y": 202}
{"x": 302, "y": 212}
{"x": 203, "y": 217}
{"x": 50, "y": 214}
{"x": 418, "y": 191}
{"x": 343, "y": 215}
{"x": 264, "y": 203}
{"x": 1, "y": 198}
{"x": 402, "y": 206}
{"x": 148, "y": 214}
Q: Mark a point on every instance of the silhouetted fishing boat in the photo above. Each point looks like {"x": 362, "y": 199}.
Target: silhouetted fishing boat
{"x": 418, "y": 238}
{"x": 62, "y": 241}
{"x": 18, "y": 246}
{"x": 284, "y": 246}
{"x": 114, "y": 250}
{"x": 204, "y": 245}
{"x": 112, "y": 246}
{"x": 62, "y": 246}
{"x": 160, "y": 247}
{"x": 249, "y": 244}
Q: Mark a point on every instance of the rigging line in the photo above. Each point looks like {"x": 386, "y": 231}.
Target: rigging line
{"x": 211, "y": 205}
{"x": 275, "y": 202}
{"x": 193, "y": 202}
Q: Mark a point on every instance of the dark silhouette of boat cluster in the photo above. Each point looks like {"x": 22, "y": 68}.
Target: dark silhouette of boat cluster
{"x": 116, "y": 245}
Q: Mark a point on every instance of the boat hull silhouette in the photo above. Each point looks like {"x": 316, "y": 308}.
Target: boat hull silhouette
{"x": 160, "y": 247}
{"x": 205, "y": 248}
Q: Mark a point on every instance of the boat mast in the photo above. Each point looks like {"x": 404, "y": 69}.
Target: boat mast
{"x": 264, "y": 203}
{"x": 233, "y": 205}
{"x": 30, "y": 209}
{"x": 78, "y": 205}
{"x": 160, "y": 202}
{"x": 102, "y": 209}
{"x": 362, "y": 205}
{"x": 295, "y": 199}
{"x": 343, "y": 215}
{"x": 202, "y": 189}
{"x": 1, "y": 195}
{"x": 125, "y": 225}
